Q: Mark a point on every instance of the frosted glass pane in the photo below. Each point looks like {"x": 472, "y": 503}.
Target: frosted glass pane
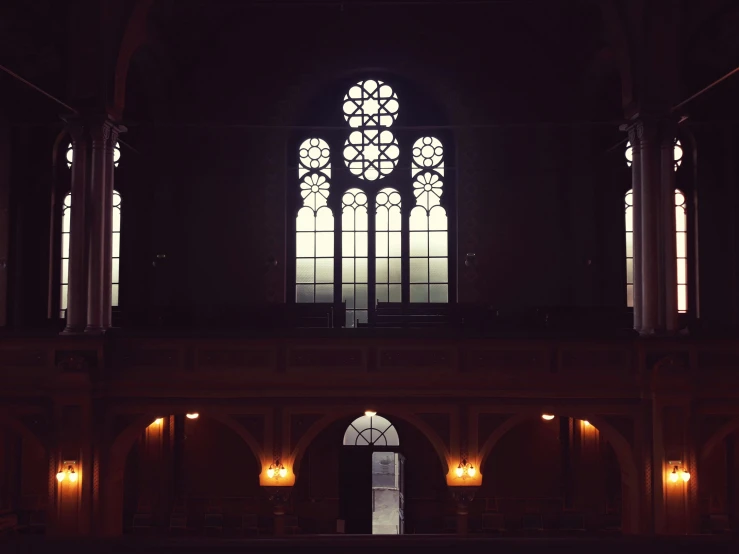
{"x": 361, "y": 270}
{"x": 381, "y": 223}
{"x": 347, "y": 295}
{"x": 324, "y": 220}
{"x": 395, "y": 244}
{"x": 396, "y": 219}
{"x": 630, "y": 270}
{"x": 395, "y": 270}
{"x": 347, "y": 244}
{"x": 419, "y": 293}
{"x": 630, "y": 296}
{"x": 115, "y": 270}
{"x": 347, "y": 219}
{"x": 381, "y": 247}
{"x": 65, "y": 245}
{"x": 419, "y": 243}
{"x": 418, "y": 219}
{"x": 116, "y": 245}
{"x": 682, "y": 272}
{"x": 381, "y": 270}
{"x": 680, "y": 223}
{"x": 304, "y": 271}
{"x": 304, "y": 243}
{"x": 361, "y": 297}
{"x": 349, "y": 319}
{"x": 325, "y": 293}
{"x": 325, "y": 244}
{"x": 306, "y": 220}
{"x": 63, "y": 299}
{"x": 629, "y": 245}
{"x": 347, "y": 270}
{"x": 324, "y": 270}
{"x": 116, "y": 223}
{"x": 350, "y": 436}
{"x": 629, "y": 219}
{"x": 114, "y": 295}
{"x": 395, "y": 293}
{"x": 438, "y": 243}
{"x": 682, "y": 298}
{"x": 419, "y": 270}
{"x": 304, "y": 293}
{"x": 438, "y": 270}
{"x": 361, "y": 317}
{"x": 681, "y": 244}
{"x": 381, "y": 293}
{"x": 437, "y": 219}
{"x": 438, "y": 293}
{"x": 361, "y": 244}
{"x": 66, "y": 221}
{"x": 65, "y": 271}
{"x": 361, "y": 222}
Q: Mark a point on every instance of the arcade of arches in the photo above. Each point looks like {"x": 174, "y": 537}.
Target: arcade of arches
{"x": 369, "y": 267}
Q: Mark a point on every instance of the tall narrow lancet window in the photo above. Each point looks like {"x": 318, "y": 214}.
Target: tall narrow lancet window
{"x": 681, "y": 230}
{"x": 314, "y": 240}
{"x": 429, "y": 264}
{"x": 388, "y": 241}
{"x": 354, "y": 256}
{"x": 116, "y": 239}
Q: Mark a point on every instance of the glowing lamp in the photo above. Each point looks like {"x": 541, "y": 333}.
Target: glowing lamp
{"x": 282, "y": 472}
{"x": 678, "y": 472}
{"x": 270, "y": 472}
{"x": 547, "y": 417}
{"x": 60, "y": 476}
{"x": 192, "y": 416}
{"x": 465, "y": 469}
{"x": 72, "y": 475}
{"x": 471, "y": 471}
{"x": 586, "y": 422}
{"x": 370, "y": 413}
{"x": 68, "y": 473}
{"x": 276, "y": 470}
{"x": 686, "y": 476}
{"x": 158, "y": 421}
{"x": 459, "y": 471}
{"x": 673, "y": 475}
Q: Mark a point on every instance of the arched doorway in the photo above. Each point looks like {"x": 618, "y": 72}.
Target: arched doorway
{"x": 371, "y": 478}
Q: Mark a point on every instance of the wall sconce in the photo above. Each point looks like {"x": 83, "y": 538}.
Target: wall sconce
{"x": 678, "y": 472}
{"x": 547, "y": 417}
{"x": 192, "y": 416}
{"x": 276, "y": 470}
{"x": 69, "y": 473}
{"x": 586, "y": 423}
{"x": 158, "y": 421}
{"x": 465, "y": 469}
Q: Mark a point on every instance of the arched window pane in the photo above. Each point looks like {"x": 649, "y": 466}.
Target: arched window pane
{"x": 681, "y": 243}
{"x": 354, "y": 256}
{"x": 371, "y": 430}
{"x": 116, "y": 248}
{"x": 678, "y": 153}
{"x": 314, "y": 226}
{"x": 429, "y": 262}
{"x": 388, "y": 242}
{"x": 64, "y": 280}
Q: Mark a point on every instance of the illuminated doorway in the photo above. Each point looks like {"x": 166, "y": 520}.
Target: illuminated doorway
{"x": 371, "y": 478}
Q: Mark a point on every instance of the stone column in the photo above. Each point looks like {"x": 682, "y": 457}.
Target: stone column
{"x": 463, "y": 496}
{"x": 648, "y": 213}
{"x": 100, "y": 131}
{"x": 78, "y": 245}
{"x": 668, "y": 275}
{"x": 278, "y": 498}
{"x": 636, "y": 226}
{"x": 108, "y": 227}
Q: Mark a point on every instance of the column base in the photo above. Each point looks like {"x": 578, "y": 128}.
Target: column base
{"x": 94, "y": 330}
{"x": 72, "y": 331}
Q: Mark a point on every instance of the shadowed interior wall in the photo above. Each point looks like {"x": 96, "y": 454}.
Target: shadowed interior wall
{"x": 719, "y": 485}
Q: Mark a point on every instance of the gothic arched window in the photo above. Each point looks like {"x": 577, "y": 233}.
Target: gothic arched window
{"x": 116, "y": 239}
{"x": 371, "y": 431}
{"x": 681, "y": 231}
{"x": 391, "y": 243}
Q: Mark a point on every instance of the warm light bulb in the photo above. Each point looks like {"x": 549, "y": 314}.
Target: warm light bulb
{"x": 270, "y": 472}
{"x": 686, "y": 476}
{"x": 370, "y": 413}
{"x": 73, "y": 476}
{"x": 673, "y": 475}
{"x": 283, "y": 472}
{"x": 158, "y": 421}
{"x": 585, "y": 422}
{"x": 547, "y": 417}
{"x": 459, "y": 471}
{"x": 192, "y": 416}
{"x": 60, "y": 476}
{"x": 471, "y": 471}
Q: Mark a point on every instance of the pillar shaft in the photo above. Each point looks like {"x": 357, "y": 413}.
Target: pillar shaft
{"x": 78, "y": 246}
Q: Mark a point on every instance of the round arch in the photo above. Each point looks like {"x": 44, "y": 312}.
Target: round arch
{"x": 624, "y": 454}
{"x": 12, "y": 424}
{"x": 121, "y": 446}
{"x": 720, "y": 434}
{"x": 335, "y": 415}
